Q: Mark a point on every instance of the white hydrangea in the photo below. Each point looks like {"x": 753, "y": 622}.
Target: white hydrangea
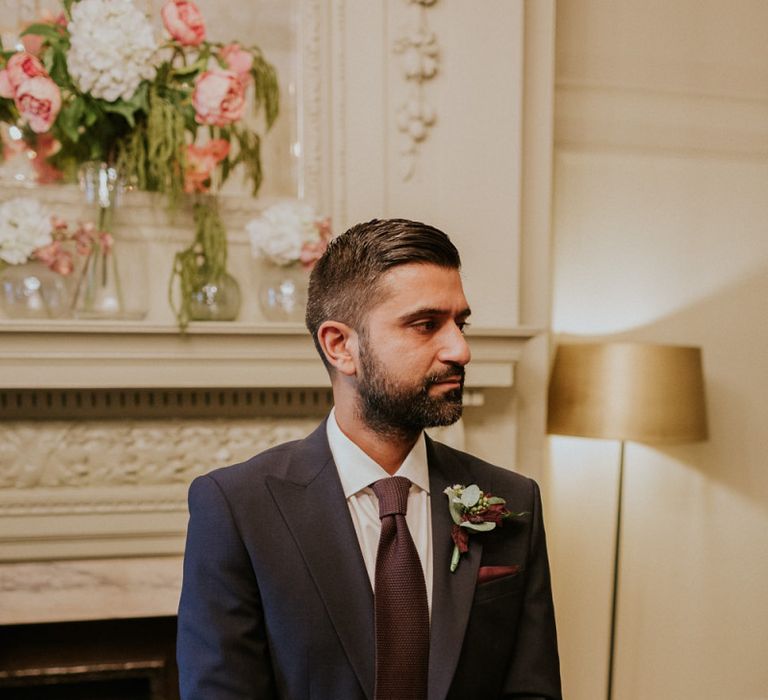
{"x": 281, "y": 230}
{"x": 25, "y": 225}
{"x": 112, "y": 47}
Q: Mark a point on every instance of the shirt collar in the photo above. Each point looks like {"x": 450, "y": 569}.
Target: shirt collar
{"x": 357, "y": 470}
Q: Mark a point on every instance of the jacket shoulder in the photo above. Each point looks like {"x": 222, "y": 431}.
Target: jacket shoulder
{"x": 296, "y": 460}
{"x": 273, "y": 461}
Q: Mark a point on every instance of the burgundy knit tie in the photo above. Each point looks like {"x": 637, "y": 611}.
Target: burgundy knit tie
{"x": 402, "y": 615}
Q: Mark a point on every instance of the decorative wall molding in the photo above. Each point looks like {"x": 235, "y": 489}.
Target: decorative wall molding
{"x": 311, "y": 105}
{"x": 85, "y": 454}
{"x": 108, "y": 488}
{"x": 418, "y": 50}
{"x": 84, "y": 488}
{"x": 338, "y": 110}
{"x": 122, "y": 404}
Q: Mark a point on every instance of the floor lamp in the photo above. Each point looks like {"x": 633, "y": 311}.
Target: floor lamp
{"x": 627, "y": 391}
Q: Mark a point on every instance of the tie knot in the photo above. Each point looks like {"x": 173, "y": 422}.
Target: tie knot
{"x": 392, "y": 494}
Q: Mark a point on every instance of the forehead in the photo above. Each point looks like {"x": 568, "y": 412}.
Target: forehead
{"x": 420, "y": 285}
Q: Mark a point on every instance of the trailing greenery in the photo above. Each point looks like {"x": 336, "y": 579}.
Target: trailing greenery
{"x": 147, "y": 137}
{"x": 203, "y": 261}
{"x": 153, "y": 156}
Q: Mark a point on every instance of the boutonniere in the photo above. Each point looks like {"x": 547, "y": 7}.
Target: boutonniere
{"x": 472, "y": 510}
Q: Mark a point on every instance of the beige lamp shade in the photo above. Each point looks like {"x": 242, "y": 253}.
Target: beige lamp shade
{"x": 628, "y": 391}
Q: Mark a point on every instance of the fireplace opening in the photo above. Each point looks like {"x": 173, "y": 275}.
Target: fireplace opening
{"x": 90, "y": 660}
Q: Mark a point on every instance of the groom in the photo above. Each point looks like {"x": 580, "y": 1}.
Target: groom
{"x": 322, "y": 568}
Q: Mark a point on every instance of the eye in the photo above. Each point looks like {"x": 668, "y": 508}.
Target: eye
{"x": 463, "y": 325}
{"x": 426, "y": 325}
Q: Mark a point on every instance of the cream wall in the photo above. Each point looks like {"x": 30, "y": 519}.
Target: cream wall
{"x": 660, "y": 210}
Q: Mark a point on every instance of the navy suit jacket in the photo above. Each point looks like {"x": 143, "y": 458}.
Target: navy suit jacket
{"x": 276, "y": 601}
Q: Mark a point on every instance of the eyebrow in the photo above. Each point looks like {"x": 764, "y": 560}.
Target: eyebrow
{"x": 433, "y": 311}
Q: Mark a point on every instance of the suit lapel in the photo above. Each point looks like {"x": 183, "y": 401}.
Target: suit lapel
{"x": 452, "y": 593}
{"x": 312, "y": 503}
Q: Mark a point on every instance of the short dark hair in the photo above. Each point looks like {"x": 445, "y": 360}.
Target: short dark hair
{"x": 346, "y": 281}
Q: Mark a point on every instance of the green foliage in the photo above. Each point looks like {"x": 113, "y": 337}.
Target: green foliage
{"x": 147, "y": 136}
{"x": 203, "y": 261}
{"x": 266, "y": 91}
{"x": 249, "y": 154}
{"x": 47, "y": 31}
{"x": 152, "y": 155}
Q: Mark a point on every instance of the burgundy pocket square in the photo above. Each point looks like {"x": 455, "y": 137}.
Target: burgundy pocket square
{"x": 490, "y": 573}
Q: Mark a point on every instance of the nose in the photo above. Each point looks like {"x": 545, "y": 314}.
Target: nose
{"x": 455, "y": 349}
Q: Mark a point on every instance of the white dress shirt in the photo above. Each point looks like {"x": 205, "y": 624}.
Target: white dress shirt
{"x": 357, "y": 472}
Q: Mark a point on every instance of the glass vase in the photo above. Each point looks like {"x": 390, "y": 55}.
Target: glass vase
{"x": 283, "y": 292}
{"x": 32, "y": 290}
{"x": 99, "y": 293}
{"x": 112, "y": 281}
{"x": 215, "y": 299}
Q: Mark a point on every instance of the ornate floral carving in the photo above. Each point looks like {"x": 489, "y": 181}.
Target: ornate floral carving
{"x": 151, "y": 452}
{"x": 311, "y": 109}
{"x": 338, "y": 110}
{"x": 419, "y": 54}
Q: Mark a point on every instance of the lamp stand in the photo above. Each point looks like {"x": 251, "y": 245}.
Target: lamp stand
{"x": 616, "y": 553}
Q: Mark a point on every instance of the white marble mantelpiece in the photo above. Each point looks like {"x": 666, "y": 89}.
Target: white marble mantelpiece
{"x": 92, "y": 354}
{"x": 95, "y": 589}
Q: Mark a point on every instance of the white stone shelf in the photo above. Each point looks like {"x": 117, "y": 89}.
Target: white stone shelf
{"x": 132, "y": 354}
{"x": 89, "y": 589}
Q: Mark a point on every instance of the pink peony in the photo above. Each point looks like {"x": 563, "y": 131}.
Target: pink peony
{"x": 20, "y": 67}
{"x": 184, "y": 22}
{"x": 237, "y": 59}
{"x": 201, "y": 160}
{"x": 38, "y": 100}
{"x": 219, "y": 98}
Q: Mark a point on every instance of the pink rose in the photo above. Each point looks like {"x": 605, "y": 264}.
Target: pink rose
{"x": 201, "y": 160}
{"x": 237, "y": 60}
{"x": 219, "y": 98}
{"x": 84, "y": 238}
{"x": 38, "y": 100}
{"x": 55, "y": 257}
{"x": 184, "y": 22}
{"x": 19, "y": 68}
{"x": 312, "y": 251}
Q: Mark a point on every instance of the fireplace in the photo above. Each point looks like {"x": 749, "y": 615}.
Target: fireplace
{"x": 99, "y": 438}
{"x": 92, "y": 660}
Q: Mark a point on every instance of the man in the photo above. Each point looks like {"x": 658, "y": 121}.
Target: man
{"x": 311, "y": 572}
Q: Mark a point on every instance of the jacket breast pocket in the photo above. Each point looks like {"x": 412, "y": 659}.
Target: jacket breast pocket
{"x": 499, "y": 588}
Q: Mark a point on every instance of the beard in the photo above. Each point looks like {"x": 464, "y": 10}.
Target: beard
{"x": 404, "y": 410}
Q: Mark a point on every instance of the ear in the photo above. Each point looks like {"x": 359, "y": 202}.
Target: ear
{"x": 339, "y": 344}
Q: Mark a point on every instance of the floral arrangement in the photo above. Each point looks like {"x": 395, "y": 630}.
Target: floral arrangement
{"x": 29, "y": 232}
{"x": 473, "y": 510}
{"x": 289, "y": 232}
{"x": 95, "y": 84}
{"x": 96, "y": 79}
